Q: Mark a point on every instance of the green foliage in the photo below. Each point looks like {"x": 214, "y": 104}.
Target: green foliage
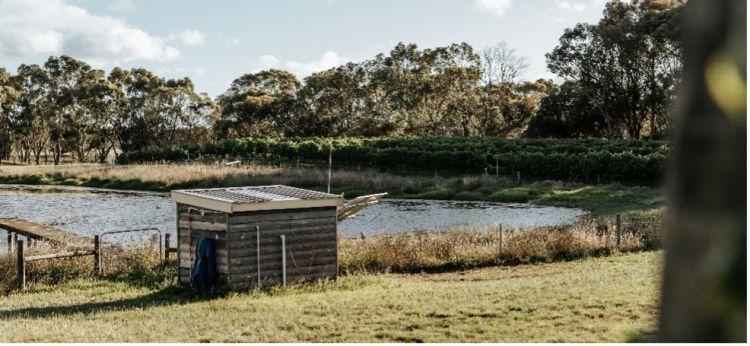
{"x": 582, "y": 159}
{"x": 627, "y": 66}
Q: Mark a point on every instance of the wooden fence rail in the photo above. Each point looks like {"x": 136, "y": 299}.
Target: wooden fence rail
{"x": 22, "y": 259}
{"x": 60, "y": 255}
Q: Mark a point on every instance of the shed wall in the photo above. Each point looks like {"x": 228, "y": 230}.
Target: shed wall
{"x": 311, "y": 244}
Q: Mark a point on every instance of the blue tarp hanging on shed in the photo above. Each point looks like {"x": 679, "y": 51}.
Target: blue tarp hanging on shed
{"x": 204, "y": 270}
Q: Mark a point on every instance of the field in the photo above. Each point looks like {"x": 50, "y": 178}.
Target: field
{"x": 600, "y": 199}
{"x": 593, "y": 300}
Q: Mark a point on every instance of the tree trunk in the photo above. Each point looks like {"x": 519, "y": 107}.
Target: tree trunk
{"x": 705, "y": 276}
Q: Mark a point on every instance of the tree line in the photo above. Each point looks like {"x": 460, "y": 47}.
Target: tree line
{"x": 619, "y": 76}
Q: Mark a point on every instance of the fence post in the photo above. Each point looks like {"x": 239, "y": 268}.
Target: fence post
{"x": 167, "y": 245}
{"x": 97, "y": 255}
{"x": 518, "y": 176}
{"x": 330, "y": 164}
{"x": 257, "y": 251}
{"x": 500, "y": 230}
{"x": 10, "y": 243}
{"x": 617, "y": 230}
{"x": 497, "y": 168}
{"x": 283, "y": 259}
{"x": 20, "y": 266}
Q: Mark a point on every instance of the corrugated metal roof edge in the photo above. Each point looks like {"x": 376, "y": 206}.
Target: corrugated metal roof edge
{"x": 188, "y": 196}
{"x": 255, "y": 187}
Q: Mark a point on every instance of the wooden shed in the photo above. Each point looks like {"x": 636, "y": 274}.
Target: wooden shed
{"x": 264, "y": 235}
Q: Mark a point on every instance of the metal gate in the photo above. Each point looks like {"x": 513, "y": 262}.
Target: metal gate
{"x": 124, "y": 248}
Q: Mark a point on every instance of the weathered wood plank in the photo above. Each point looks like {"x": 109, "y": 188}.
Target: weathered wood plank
{"x": 329, "y": 230}
{"x": 284, "y": 229}
{"x": 248, "y": 249}
{"x": 251, "y": 258}
{"x": 264, "y": 226}
{"x": 287, "y": 214}
{"x": 59, "y": 255}
{"x": 47, "y": 233}
{"x": 252, "y": 217}
{"x": 271, "y": 267}
{"x": 313, "y": 240}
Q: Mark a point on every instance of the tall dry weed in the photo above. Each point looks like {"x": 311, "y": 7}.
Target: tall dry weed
{"x": 465, "y": 247}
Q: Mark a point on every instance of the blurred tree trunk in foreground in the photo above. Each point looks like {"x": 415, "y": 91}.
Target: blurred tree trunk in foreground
{"x": 705, "y": 276}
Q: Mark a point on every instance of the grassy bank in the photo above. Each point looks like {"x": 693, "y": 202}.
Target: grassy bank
{"x": 463, "y": 248}
{"x": 459, "y": 248}
{"x": 601, "y": 200}
{"x": 594, "y": 300}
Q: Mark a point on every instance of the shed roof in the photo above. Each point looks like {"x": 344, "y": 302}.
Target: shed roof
{"x": 251, "y": 198}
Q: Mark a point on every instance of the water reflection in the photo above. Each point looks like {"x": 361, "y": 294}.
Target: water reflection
{"x": 92, "y": 212}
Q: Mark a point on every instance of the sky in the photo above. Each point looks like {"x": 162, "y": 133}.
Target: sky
{"x": 214, "y": 42}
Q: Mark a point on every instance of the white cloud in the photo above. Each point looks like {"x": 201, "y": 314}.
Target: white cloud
{"x": 31, "y": 27}
{"x": 188, "y": 37}
{"x": 122, "y": 6}
{"x": 496, "y": 7}
{"x": 266, "y": 62}
{"x": 570, "y": 6}
{"x": 328, "y": 60}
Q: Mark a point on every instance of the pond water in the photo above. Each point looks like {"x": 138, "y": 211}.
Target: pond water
{"x": 89, "y": 211}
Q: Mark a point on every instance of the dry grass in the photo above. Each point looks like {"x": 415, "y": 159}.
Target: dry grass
{"x": 457, "y": 248}
{"x": 206, "y": 175}
{"x": 607, "y": 299}
{"x": 137, "y": 265}
{"x": 465, "y": 247}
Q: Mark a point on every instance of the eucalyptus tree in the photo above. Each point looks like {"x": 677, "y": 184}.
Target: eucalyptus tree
{"x": 567, "y": 113}
{"x": 9, "y": 97}
{"x": 65, "y": 75}
{"x": 181, "y": 108}
{"x": 627, "y": 64}
{"x": 257, "y": 104}
{"x": 87, "y": 122}
{"x": 101, "y": 99}
{"x": 333, "y": 102}
{"x": 409, "y": 91}
{"x": 32, "y": 120}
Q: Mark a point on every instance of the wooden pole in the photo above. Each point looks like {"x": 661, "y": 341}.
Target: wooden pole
{"x": 14, "y": 240}
{"x": 500, "y": 231}
{"x": 257, "y": 250}
{"x": 10, "y": 243}
{"x": 330, "y": 164}
{"x": 518, "y": 176}
{"x": 497, "y": 168}
{"x": 20, "y": 266}
{"x": 617, "y": 230}
{"x": 283, "y": 259}
{"x": 97, "y": 255}
{"x": 167, "y": 245}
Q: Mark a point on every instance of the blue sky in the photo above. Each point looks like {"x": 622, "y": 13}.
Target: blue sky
{"x": 214, "y": 42}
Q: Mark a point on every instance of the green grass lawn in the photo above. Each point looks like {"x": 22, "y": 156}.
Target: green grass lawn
{"x": 594, "y": 300}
